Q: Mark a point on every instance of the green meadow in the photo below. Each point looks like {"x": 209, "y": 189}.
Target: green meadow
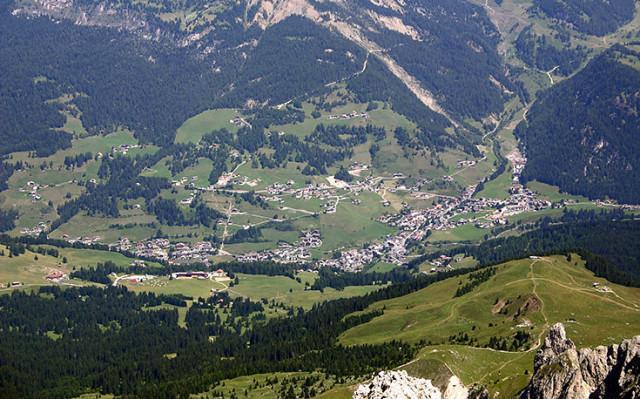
{"x": 528, "y": 295}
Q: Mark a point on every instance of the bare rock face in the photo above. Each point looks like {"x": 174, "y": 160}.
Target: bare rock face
{"x": 561, "y": 371}
{"x": 399, "y": 385}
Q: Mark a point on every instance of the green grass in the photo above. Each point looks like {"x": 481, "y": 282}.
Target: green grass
{"x": 264, "y": 390}
{"x": 83, "y": 225}
{"x": 564, "y": 294}
{"x": 553, "y": 193}
{"x": 200, "y": 172}
{"x": 278, "y": 288}
{"x": 352, "y": 224}
{"x": 466, "y": 232}
{"x": 381, "y": 267}
{"x": 497, "y": 188}
{"x": 194, "y": 128}
{"x": 26, "y": 269}
{"x": 288, "y": 291}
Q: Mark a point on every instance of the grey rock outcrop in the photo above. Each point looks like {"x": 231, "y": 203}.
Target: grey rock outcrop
{"x": 400, "y": 385}
{"x": 397, "y": 385}
{"x": 562, "y": 371}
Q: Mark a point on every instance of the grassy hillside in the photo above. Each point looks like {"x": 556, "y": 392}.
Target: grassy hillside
{"x": 523, "y": 296}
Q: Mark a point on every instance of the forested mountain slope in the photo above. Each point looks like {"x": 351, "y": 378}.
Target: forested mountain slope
{"x": 242, "y": 54}
{"x": 595, "y": 17}
{"x": 583, "y": 134}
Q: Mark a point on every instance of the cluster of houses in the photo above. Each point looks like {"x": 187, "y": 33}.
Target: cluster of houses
{"x": 239, "y": 121}
{"x": 349, "y": 116}
{"x": 35, "y": 231}
{"x": 286, "y": 253}
{"x": 123, "y": 148}
{"x": 162, "y": 249}
{"x": 88, "y": 240}
{"x": 32, "y": 190}
{"x": 449, "y": 212}
{"x": 198, "y": 252}
{"x": 392, "y": 249}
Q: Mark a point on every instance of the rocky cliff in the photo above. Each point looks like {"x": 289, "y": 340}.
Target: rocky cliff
{"x": 400, "y": 385}
{"x": 562, "y": 371}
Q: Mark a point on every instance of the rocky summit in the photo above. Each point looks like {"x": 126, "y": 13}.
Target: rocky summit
{"x": 562, "y": 371}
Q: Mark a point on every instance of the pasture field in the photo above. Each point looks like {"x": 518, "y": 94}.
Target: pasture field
{"x": 194, "y": 128}
{"x": 32, "y": 272}
{"x": 497, "y": 188}
{"x": 466, "y": 232}
{"x": 133, "y": 226}
{"x": 280, "y": 289}
{"x": 198, "y": 174}
{"x": 262, "y": 178}
{"x": 288, "y": 291}
{"x": 552, "y": 193}
{"x": 351, "y": 224}
{"x": 27, "y": 269}
{"x": 524, "y": 295}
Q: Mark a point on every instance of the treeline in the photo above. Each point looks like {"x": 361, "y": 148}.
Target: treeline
{"x": 98, "y": 274}
{"x": 328, "y": 278}
{"x": 76, "y": 161}
{"x": 356, "y": 135}
{"x": 609, "y": 247}
{"x": 101, "y": 333}
{"x": 378, "y": 84}
{"x": 474, "y": 280}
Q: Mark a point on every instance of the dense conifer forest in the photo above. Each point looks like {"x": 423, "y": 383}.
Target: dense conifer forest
{"x": 594, "y": 149}
{"x": 595, "y": 17}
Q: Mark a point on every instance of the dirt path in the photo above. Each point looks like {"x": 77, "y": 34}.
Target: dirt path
{"x": 226, "y": 227}
{"x": 549, "y": 72}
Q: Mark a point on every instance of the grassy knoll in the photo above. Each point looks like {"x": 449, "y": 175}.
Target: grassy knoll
{"x": 527, "y": 295}
{"x": 192, "y": 288}
{"x": 194, "y": 128}
{"x": 383, "y": 117}
{"x": 266, "y": 177}
{"x": 58, "y": 183}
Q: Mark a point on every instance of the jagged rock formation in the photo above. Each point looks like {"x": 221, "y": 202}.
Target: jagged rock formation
{"x": 562, "y": 371}
{"x": 400, "y": 385}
